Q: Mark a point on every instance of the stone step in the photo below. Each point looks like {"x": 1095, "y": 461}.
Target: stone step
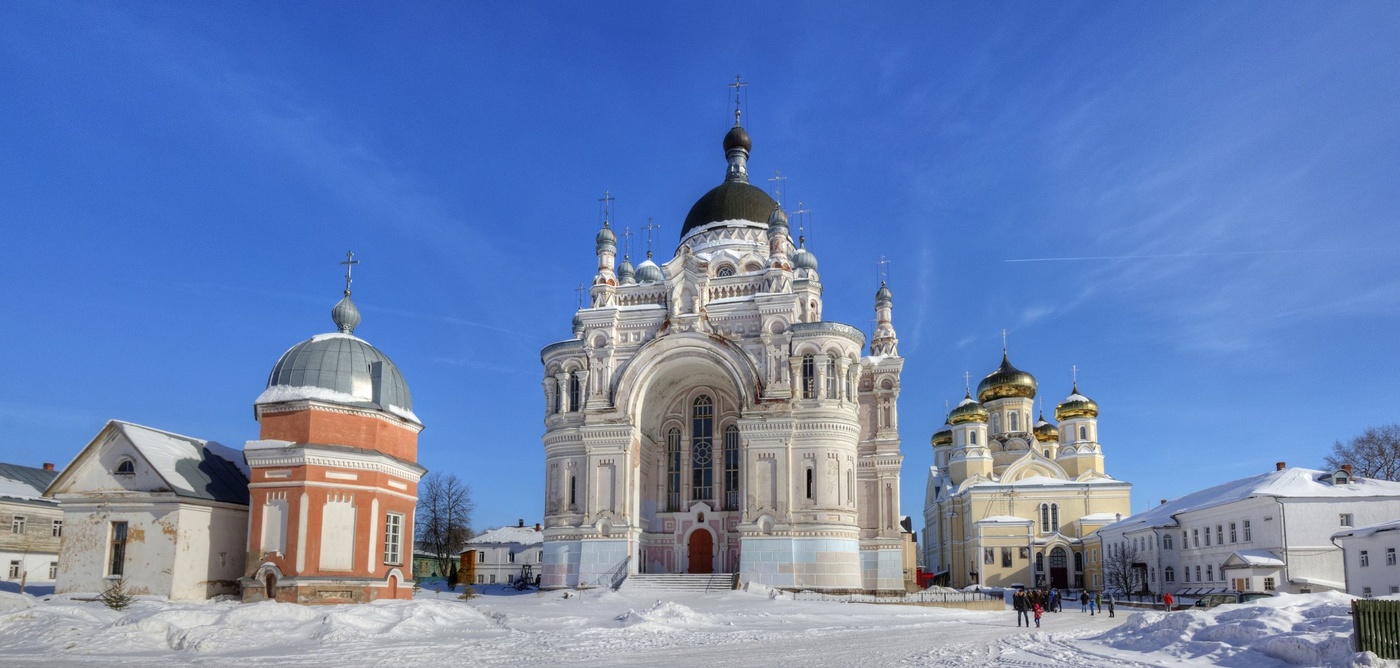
{"x": 693, "y": 582}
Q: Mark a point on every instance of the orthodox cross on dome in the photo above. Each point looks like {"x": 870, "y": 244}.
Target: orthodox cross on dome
{"x": 349, "y": 263}
{"x": 1074, "y": 373}
{"x": 967, "y": 382}
{"x": 1003, "y": 341}
{"x": 627, "y": 235}
{"x": 650, "y": 227}
{"x": 882, "y": 269}
{"x": 607, "y": 199}
{"x": 738, "y": 87}
{"x": 578, "y": 293}
{"x": 801, "y": 215}
{"x": 777, "y": 181}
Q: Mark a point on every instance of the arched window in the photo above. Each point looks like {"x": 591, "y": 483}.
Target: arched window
{"x": 1078, "y": 561}
{"x": 810, "y": 487}
{"x": 1169, "y": 574}
{"x": 1055, "y": 516}
{"x": 972, "y": 437}
{"x": 809, "y": 376}
{"x": 575, "y": 392}
{"x": 1015, "y": 421}
{"x": 725, "y": 271}
{"x": 1040, "y": 561}
{"x": 126, "y": 467}
{"x": 830, "y": 376}
{"x": 1083, "y": 433}
{"x": 1045, "y": 518}
{"x": 702, "y": 456}
{"x": 673, "y": 469}
{"x": 731, "y": 467}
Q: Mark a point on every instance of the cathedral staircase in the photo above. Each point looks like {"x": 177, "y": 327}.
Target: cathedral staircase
{"x": 679, "y": 582}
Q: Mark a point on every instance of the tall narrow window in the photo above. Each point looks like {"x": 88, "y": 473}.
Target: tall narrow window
{"x": 673, "y": 469}
{"x": 851, "y": 488}
{"x": 702, "y": 459}
{"x": 1015, "y": 421}
{"x": 1083, "y": 433}
{"x": 810, "y": 486}
{"x": 17, "y": 524}
{"x": 573, "y": 488}
{"x": 53, "y": 570}
{"x": 1078, "y": 561}
{"x": 393, "y": 539}
{"x": 1246, "y": 531}
{"x": 57, "y": 528}
{"x": 972, "y": 437}
{"x": 1219, "y": 534}
{"x": 1045, "y": 518}
{"x": 1055, "y": 516}
{"x": 731, "y": 467}
{"x": 1233, "y": 535}
{"x": 809, "y": 376}
{"x": 830, "y": 376}
{"x": 575, "y": 392}
{"x": 115, "y": 567}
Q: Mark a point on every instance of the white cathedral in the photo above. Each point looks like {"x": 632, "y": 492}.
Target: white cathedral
{"x": 704, "y": 418}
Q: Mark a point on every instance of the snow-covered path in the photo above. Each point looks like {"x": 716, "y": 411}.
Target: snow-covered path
{"x": 639, "y": 629}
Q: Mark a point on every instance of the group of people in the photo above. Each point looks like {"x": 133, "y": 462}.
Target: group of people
{"x": 1036, "y": 602}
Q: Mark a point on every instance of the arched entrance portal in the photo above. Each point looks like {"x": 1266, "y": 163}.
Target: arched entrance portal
{"x": 702, "y": 550}
{"x": 1059, "y": 573}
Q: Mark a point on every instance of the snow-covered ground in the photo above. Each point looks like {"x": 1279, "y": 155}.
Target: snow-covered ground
{"x": 758, "y": 627}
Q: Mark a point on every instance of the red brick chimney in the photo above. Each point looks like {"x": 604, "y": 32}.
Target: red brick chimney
{"x": 1345, "y": 467}
{"x": 48, "y": 466}
{"x": 1164, "y": 502}
{"x": 1279, "y": 466}
{"x": 537, "y": 526}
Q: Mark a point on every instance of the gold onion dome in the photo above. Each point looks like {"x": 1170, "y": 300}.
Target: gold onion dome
{"x": 1046, "y": 432}
{"x": 1076, "y": 405}
{"x": 967, "y": 410}
{"x": 943, "y": 436}
{"x": 1006, "y": 381}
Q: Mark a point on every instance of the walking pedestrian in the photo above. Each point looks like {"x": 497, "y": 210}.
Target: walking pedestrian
{"x": 1110, "y": 605}
{"x": 1084, "y": 601}
{"x": 1167, "y": 600}
{"x": 1038, "y": 610}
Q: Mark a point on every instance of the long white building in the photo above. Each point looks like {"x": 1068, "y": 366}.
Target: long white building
{"x": 1266, "y": 533}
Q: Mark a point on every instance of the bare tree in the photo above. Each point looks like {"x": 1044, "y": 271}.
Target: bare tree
{"x": 1120, "y": 569}
{"x": 444, "y": 517}
{"x": 1373, "y": 454}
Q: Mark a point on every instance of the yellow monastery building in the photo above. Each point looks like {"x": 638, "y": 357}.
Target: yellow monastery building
{"x": 1010, "y": 501}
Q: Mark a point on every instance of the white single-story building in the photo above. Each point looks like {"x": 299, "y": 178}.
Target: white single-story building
{"x": 504, "y": 555}
{"x": 167, "y": 514}
{"x": 1370, "y": 558}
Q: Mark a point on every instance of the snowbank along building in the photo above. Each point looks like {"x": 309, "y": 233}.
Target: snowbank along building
{"x": 705, "y": 416}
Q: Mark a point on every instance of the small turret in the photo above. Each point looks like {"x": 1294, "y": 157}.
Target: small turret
{"x": 884, "y": 341}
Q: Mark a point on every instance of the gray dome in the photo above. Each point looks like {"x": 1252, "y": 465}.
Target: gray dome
{"x": 778, "y": 218}
{"x": 345, "y": 316}
{"x": 342, "y": 364}
{"x": 804, "y": 259}
{"x": 626, "y": 274}
{"x": 648, "y": 272}
{"x": 883, "y": 294}
{"x": 606, "y": 237}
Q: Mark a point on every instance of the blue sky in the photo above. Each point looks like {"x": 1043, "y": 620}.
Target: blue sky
{"x": 1208, "y": 193}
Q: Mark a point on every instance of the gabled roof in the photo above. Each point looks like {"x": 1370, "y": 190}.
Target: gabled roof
{"x": 1289, "y": 483}
{"x": 191, "y": 467}
{"x": 1253, "y": 558}
{"x": 24, "y": 482}
{"x": 509, "y": 535}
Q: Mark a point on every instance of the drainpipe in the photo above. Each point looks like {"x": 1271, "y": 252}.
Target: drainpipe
{"x": 1346, "y": 577}
{"x": 1283, "y": 525}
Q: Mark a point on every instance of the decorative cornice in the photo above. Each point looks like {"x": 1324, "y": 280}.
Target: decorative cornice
{"x": 324, "y": 407}
{"x": 310, "y": 455}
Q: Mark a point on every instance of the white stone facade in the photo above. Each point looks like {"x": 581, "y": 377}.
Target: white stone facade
{"x": 710, "y": 420}
{"x": 504, "y": 555}
{"x": 1371, "y": 559}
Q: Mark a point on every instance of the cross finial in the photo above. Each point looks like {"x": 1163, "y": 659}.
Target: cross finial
{"x": 578, "y": 294}
{"x": 1003, "y": 341}
{"x": 1074, "y": 372}
{"x": 738, "y": 87}
{"x": 967, "y": 381}
{"x": 650, "y": 227}
{"x": 777, "y": 181}
{"x": 349, "y": 263}
{"x": 627, "y": 241}
{"x": 801, "y": 215}
{"x": 607, "y": 200}
{"x": 882, "y": 267}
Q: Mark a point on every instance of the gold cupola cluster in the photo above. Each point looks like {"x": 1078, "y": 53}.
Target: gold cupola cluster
{"x": 1006, "y": 381}
{"x": 1045, "y": 432}
{"x": 1076, "y": 405}
{"x": 967, "y": 410}
{"x": 943, "y": 436}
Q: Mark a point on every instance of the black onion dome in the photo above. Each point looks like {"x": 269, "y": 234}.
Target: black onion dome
{"x": 737, "y": 137}
{"x": 731, "y": 200}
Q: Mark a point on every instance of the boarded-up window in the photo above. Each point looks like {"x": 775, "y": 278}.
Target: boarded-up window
{"x": 338, "y": 533}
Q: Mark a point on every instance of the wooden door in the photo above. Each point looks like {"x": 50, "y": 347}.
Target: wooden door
{"x": 702, "y": 547}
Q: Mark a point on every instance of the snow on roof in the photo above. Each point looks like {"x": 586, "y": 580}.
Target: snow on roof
{"x": 1004, "y": 519}
{"x": 24, "y": 482}
{"x": 1099, "y": 517}
{"x": 1048, "y": 481}
{"x": 1290, "y": 483}
{"x": 1076, "y": 397}
{"x": 280, "y": 393}
{"x": 510, "y": 535}
{"x": 1258, "y": 557}
{"x": 1362, "y": 532}
{"x": 192, "y": 467}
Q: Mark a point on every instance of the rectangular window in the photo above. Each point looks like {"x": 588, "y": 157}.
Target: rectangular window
{"x": 493, "y": 578}
{"x": 1198, "y": 574}
{"x": 481, "y": 557}
{"x": 512, "y": 557}
{"x": 1268, "y": 584}
{"x": 1207, "y": 536}
{"x": 1219, "y": 535}
{"x": 393, "y": 539}
{"x": 1365, "y": 559}
{"x": 989, "y": 556}
{"x": 1246, "y": 531}
{"x": 115, "y": 567}
{"x": 1390, "y": 556}
{"x": 1210, "y": 574}
{"x": 1185, "y": 573}
{"x": 1366, "y": 591}
{"x": 481, "y": 579}
{"x": 1166, "y": 541}
{"x": 1345, "y": 519}
{"x": 57, "y": 528}
{"x": 1006, "y": 557}
{"x": 1196, "y": 537}
{"x": 1395, "y": 589}
{"x": 53, "y": 570}
{"x": 1184, "y": 543}
{"x": 17, "y": 524}
{"x": 1233, "y": 535}
{"x": 14, "y": 569}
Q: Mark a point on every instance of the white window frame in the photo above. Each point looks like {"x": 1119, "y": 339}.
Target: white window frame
{"x": 57, "y": 528}
{"x": 393, "y": 539}
{"x": 17, "y": 524}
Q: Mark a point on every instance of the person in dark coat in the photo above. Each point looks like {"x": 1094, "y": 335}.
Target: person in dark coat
{"x": 1084, "y": 601}
{"x": 1022, "y": 607}
{"x": 1054, "y": 600}
{"x": 1110, "y": 605}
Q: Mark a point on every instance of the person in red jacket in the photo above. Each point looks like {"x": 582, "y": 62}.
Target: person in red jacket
{"x": 1167, "y": 600}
